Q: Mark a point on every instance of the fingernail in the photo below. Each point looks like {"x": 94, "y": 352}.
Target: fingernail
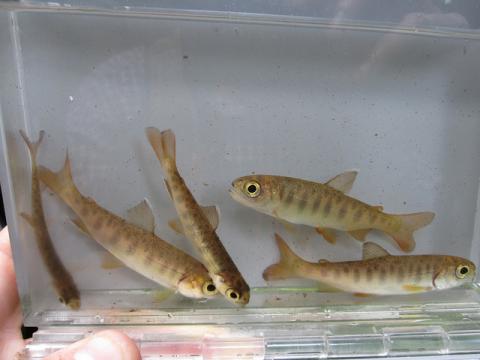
{"x": 99, "y": 348}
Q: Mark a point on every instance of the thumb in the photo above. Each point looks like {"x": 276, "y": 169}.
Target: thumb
{"x": 108, "y": 345}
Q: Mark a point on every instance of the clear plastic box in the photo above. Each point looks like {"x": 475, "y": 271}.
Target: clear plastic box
{"x": 298, "y": 88}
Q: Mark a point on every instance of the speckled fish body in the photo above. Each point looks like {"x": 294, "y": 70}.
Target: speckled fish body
{"x": 379, "y": 273}
{"x": 139, "y": 249}
{"x": 324, "y": 206}
{"x": 196, "y": 225}
{"x": 63, "y": 282}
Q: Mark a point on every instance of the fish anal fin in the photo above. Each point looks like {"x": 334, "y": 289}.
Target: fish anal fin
{"x": 28, "y": 218}
{"x": 211, "y": 213}
{"x": 343, "y": 182}
{"x": 80, "y": 225}
{"x": 371, "y": 251}
{"x": 359, "y": 234}
{"x": 110, "y": 262}
{"x": 328, "y": 234}
{"x": 142, "y": 216}
{"x": 415, "y": 288}
{"x": 378, "y": 207}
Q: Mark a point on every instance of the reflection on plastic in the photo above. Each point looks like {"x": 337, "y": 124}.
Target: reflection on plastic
{"x": 208, "y": 348}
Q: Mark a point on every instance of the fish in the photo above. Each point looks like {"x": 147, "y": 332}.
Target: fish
{"x": 198, "y": 223}
{"x": 138, "y": 248}
{"x": 63, "y": 282}
{"x": 326, "y": 207}
{"x": 378, "y": 273}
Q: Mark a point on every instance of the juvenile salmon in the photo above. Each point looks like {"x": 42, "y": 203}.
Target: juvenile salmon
{"x": 379, "y": 273}
{"x": 62, "y": 280}
{"x": 325, "y": 207}
{"x": 197, "y": 223}
{"x": 139, "y": 249}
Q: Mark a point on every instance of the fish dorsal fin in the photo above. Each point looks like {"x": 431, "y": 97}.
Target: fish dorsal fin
{"x": 343, "y": 182}
{"x": 372, "y": 250}
{"x": 142, "y": 216}
{"x": 168, "y": 189}
{"x": 211, "y": 212}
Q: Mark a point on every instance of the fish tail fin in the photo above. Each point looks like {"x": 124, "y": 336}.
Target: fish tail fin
{"x": 33, "y": 145}
{"x": 409, "y": 224}
{"x": 287, "y": 267}
{"x": 60, "y": 182}
{"x": 163, "y": 143}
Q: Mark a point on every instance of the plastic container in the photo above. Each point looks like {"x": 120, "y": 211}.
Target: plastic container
{"x": 301, "y": 89}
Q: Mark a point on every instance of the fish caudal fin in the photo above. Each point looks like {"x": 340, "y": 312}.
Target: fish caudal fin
{"x": 287, "y": 267}
{"x": 33, "y": 146}
{"x": 410, "y": 223}
{"x": 163, "y": 143}
{"x": 61, "y": 183}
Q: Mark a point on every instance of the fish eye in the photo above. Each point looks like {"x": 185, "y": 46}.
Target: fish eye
{"x": 252, "y": 188}
{"x": 232, "y": 294}
{"x": 61, "y": 300}
{"x": 462, "y": 271}
{"x": 209, "y": 288}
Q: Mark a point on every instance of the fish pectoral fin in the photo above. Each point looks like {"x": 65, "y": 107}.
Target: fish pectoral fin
{"x": 160, "y": 296}
{"x": 28, "y": 218}
{"x": 80, "y": 225}
{"x": 371, "y": 250}
{"x": 167, "y": 186}
{"x": 110, "y": 262}
{"x": 328, "y": 234}
{"x": 359, "y": 234}
{"x": 142, "y": 216}
{"x": 343, "y": 182}
{"x": 415, "y": 288}
{"x": 211, "y": 213}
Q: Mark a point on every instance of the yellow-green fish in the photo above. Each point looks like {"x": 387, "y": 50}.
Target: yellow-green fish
{"x": 197, "y": 223}
{"x": 325, "y": 207}
{"x": 379, "y": 273}
{"x": 138, "y": 248}
{"x": 62, "y": 280}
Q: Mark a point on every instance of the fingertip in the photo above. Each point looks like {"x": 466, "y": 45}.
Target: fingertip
{"x": 128, "y": 347}
{"x": 104, "y": 345}
{"x": 4, "y": 234}
{"x": 5, "y": 242}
